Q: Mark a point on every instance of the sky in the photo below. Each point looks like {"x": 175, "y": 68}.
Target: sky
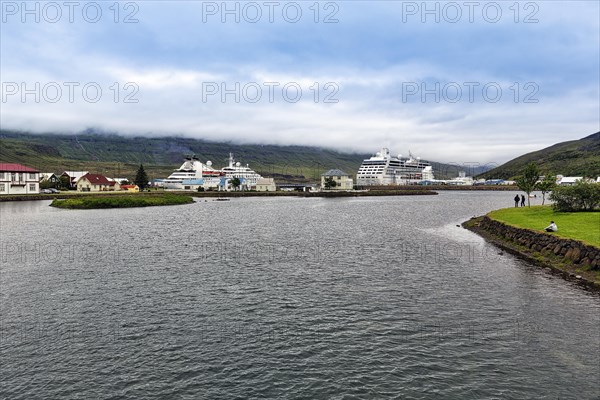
{"x": 452, "y": 82}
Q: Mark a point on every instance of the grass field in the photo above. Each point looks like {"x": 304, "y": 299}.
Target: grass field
{"x": 583, "y": 226}
{"x": 122, "y": 201}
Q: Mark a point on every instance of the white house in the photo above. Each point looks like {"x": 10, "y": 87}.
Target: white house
{"x": 343, "y": 181}
{"x": 18, "y": 179}
{"x": 569, "y": 180}
{"x": 266, "y": 185}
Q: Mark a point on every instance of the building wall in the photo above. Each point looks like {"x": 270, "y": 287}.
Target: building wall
{"x": 342, "y": 182}
{"x": 19, "y": 182}
{"x": 266, "y": 188}
{"x": 84, "y": 184}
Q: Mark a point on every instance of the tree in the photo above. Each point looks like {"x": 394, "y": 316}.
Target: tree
{"x": 583, "y": 196}
{"x": 141, "y": 178}
{"x": 330, "y": 183}
{"x": 235, "y": 183}
{"x": 528, "y": 181}
{"x": 546, "y": 186}
{"x": 65, "y": 183}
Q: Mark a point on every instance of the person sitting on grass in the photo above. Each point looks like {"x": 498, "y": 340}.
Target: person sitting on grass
{"x": 552, "y": 227}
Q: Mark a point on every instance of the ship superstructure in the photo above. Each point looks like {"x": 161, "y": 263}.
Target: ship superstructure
{"x": 385, "y": 169}
{"x": 193, "y": 172}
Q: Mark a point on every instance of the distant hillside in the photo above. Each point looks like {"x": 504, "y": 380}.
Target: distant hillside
{"x": 574, "y": 158}
{"x": 120, "y": 156}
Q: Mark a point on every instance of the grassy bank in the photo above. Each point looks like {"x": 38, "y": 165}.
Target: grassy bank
{"x": 583, "y": 226}
{"x": 578, "y": 273}
{"x": 122, "y": 201}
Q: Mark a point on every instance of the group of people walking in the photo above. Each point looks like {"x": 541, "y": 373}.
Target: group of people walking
{"x": 519, "y": 199}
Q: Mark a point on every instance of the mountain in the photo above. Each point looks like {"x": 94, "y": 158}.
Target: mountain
{"x": 573, "y": 158}
{"x": 120, "y": 156}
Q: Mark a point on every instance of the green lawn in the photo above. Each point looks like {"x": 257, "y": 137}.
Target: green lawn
{"x": 584, "y": 226}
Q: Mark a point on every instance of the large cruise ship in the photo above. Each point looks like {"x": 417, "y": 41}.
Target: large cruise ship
{"x": 192, "y": 170}
{"x": 246, "y": 175}
{"x": 385, "y": 169}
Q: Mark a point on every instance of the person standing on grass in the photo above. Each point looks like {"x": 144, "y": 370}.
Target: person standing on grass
{"x": 552, "y": 227}
{"x": 517, "y": 200}
{"x": 522, "y": 200}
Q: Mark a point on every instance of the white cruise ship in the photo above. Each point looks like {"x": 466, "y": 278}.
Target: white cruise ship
{"x": 245, "y": 174}
{"x": 192, "y": 170}
{"x": 385, "y": 169}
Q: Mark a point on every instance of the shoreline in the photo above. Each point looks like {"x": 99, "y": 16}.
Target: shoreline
{"x": 377, "y": 191}
{"x": 557, "y": 264}
{"x": 74, "y": 195}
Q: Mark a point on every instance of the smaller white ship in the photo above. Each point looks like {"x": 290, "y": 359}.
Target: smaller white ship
{"x": 245, "y": 174}
{"x": 194, "y": 172}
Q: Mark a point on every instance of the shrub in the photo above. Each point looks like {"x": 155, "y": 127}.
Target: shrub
{"x": 579, "y": 197}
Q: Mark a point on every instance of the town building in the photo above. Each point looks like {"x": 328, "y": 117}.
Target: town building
{"x": 343, "y": 181}
{"x": 18, "y": 179}
{"x": 50, "y": 178}
{"x": 568, "y": 180}
{"x": 130, "y": 188}
{"x": 193, "y": 184}
{"x": 96, "y": 183}
{"x": 266, "y": 185}
{"x": 74, "y": 176}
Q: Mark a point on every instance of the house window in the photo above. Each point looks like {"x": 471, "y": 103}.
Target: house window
{"x": 32, "y": 187}
{"x": 2, "y": 176}
{"x": 31, "y": 176}
{"x": 2, "y": 187}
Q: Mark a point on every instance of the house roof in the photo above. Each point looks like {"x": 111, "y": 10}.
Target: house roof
{"x": 75, "y": 175}
{"x": 97, "y": 179}
{"x": 265, "y": 181}
{"x": 16, "y": 168}
{"x": 335, "y": 172}
{"x": 46, "y": 175}
{"x": 128, "y": 186}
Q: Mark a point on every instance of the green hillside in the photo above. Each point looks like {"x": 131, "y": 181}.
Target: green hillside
{"x": 573, "y": 158}
{"x": 120, "y": 156}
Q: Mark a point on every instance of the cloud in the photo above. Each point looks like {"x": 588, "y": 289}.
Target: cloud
{"x": 199, "y": 79}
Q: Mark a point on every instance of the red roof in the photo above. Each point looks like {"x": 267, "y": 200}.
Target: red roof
{"x": 16, "y": 168}
{"x": 96, "y": 179}
{"x": 127, "y": 186}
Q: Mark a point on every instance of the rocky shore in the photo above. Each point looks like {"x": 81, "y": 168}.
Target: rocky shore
{"x": 573, "y": 259}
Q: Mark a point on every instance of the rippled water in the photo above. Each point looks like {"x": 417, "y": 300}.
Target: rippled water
{"x": 285, "y": 298}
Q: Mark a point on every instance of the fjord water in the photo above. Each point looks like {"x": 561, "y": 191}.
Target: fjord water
{"x": 285, "y": 298}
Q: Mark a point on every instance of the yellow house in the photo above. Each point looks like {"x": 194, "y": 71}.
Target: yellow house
{"x": 130, "y": 188}
{"x": 342, "y": 180}
{"x": 96, "y": 183}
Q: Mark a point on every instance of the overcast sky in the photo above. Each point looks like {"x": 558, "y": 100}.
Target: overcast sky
{"x": 452, "y": 82}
